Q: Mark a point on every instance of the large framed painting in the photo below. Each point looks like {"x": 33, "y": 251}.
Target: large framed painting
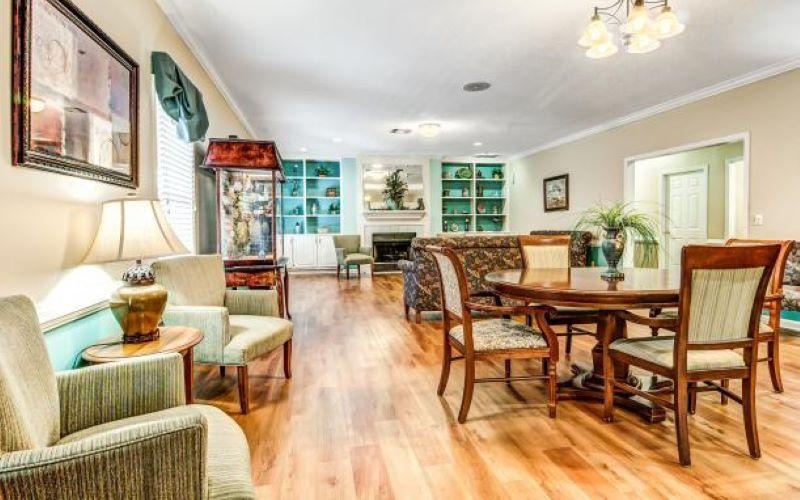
{"x": 556, "y": 193}
{"x": 75, "y": 95}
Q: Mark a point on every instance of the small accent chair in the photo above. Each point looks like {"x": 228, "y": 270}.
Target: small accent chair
{"x": 349, "y": 253}
{"x": 553, "y": 252}
{"x": 238, "y": 325}
{"x": 117, "y": 430}
{"x": 490, "y": 338}
{"x": 721, "y": 295}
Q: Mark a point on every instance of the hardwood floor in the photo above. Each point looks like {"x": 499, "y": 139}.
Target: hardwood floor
{"x": 360, "y": 419}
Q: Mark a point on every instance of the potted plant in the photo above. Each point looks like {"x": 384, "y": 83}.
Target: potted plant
{"x": 395, "y": 191}
{"x": 618, "y": 222}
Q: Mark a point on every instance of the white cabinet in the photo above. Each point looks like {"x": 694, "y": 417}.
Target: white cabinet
{"x": 310, "y": 251}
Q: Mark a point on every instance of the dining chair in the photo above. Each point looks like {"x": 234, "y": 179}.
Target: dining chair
{"x": 552, "y": 252}
{"x": 721, "y": 295}
{"x": 496, "y": 338}
{"x": 769, "y": 333}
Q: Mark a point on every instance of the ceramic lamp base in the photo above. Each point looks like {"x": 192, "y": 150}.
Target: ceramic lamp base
{"x": 138, "y": 310}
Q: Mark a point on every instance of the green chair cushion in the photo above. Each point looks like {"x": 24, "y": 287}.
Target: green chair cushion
{"x": 358, "y": 259}
{"x": 252, "y": 336}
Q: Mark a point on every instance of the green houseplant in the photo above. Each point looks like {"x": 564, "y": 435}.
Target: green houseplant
{"x": 618, "y": 222}
{"x": 395, "y": 191}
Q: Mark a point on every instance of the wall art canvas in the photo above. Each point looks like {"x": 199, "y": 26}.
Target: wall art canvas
{"x": 75, "y": 95}
{"x": 556, "y": 193}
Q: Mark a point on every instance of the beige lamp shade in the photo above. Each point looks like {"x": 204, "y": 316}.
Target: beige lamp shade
{"x": 132, "y": 229}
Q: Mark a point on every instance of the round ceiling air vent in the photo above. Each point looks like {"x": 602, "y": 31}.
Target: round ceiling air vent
{"x": 476, "y": 86}
{"x": 400, "y": 131}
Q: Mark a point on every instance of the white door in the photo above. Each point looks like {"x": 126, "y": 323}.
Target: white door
{"x": 304, "y": 250}
{"x": 326, "y": 251}
{"x": 687, "y": 208}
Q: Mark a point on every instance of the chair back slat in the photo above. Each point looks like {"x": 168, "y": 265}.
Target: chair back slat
{"x": 722, "y": 293}
{"x": 544, "y": 252}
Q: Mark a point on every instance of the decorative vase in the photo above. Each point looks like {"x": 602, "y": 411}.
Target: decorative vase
{"x": 613, "y": 246}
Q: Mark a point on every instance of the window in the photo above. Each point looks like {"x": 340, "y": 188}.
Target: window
{"x": 175, "y": 178}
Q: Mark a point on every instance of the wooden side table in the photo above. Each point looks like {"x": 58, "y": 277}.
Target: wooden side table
{"x": 180, "y": 339}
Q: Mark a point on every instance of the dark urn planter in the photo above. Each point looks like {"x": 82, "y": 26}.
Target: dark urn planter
{"x": 613, "y": 246}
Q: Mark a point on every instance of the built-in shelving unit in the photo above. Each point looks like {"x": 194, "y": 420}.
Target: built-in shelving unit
{"x": 474, "y": 197}
{"x": 311, "y": 201}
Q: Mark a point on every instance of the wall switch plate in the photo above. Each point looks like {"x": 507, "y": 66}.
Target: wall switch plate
{"x": 758, "y": 220}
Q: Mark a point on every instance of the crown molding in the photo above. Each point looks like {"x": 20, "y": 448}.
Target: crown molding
{"x": 699, "y": 95}
{"x": 169, "y": 10}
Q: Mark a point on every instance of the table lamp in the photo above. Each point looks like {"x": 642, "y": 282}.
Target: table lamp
{"x": 135, "y": 229}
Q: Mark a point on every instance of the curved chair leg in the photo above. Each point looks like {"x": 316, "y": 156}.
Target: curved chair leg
{"x": 445, "y": 376}
{"x": 723, "y": 399}
{"x": 692, "y": 397}
{"x": 508, "y": 371}
{"x": 682, "y": 422}
{"x": 244, "y": 388}
{"x": 773, "y": 354}
{"x": 469, "y": 388}
{"x": 287, "y": 359}
{"x": 568, "y": 348}
{"x": 749, "y": 410}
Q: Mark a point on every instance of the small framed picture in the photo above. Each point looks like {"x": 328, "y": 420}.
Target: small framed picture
{"x": 75, "y": 95}
{"x": 556, "y": 193}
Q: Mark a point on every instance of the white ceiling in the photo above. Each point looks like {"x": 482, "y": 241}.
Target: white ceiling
{"x": 304, "y": 72}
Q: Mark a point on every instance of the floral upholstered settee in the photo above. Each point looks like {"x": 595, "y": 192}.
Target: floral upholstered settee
{"x": 480, "y": 255}
{"x": 791, "y": 281}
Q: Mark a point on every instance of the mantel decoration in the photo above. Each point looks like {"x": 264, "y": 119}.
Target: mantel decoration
{"x": 74, "y": 95}
{"x": 618, "y": 222}
{"x": 639, "y": 32}
{"x": 395, "y": 191}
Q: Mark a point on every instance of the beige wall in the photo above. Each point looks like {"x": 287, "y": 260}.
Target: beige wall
{"x": 648, "y": 190}
{"x": 769, "y": 110}
{"x": 48, "y": 220}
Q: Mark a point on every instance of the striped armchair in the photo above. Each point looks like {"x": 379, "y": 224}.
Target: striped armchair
{"x": 119, "y": 430}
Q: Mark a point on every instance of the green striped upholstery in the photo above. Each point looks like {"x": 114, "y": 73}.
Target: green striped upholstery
{"x": 29, "y": 411}
{"x": 546, "y": 256}
{"x": 450, "y": 289}
{"x": 252, "y": 302}
{"x": 254, "y": 336}
{"x": 157, "y": 382}
{"x": 192, "y": 280}
{"x": 350, "y": 243}
{"x": 661, "y": 351}
{"x": 501, "y": 334}
{"x": 211, "y": 320}
{"x": 721, "y": 303}
{"x": 673, "y": 314}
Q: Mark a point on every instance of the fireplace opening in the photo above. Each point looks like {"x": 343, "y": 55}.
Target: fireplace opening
{"x": 388, "y": 248}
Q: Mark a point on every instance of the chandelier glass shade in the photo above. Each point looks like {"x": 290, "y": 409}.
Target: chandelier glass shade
{"x": 639, "y": 31}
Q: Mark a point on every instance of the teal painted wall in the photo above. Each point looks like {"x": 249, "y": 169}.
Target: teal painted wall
{"x": 349, "y": 195}
{"x": 65, "y": 343}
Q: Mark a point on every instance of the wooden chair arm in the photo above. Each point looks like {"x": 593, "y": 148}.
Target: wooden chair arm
{"x": 665, "y": 323}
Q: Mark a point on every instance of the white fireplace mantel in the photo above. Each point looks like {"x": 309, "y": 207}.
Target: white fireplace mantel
{"x": 393, "y": 215}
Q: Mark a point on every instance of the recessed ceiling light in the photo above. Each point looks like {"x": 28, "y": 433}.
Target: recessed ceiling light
{"x": 477, "y": 144}
{"x": 430, "y": 130}
{"x": 337, "y": 139}
{"x": 400, "y": 131}
{"x": 476, "y": 86}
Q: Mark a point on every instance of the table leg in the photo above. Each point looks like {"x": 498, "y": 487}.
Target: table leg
{"x": 188, "y": 374}
{"x": 588, "y": 383}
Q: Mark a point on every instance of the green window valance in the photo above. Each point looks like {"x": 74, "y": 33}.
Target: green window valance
{"x": 180, "y": 98}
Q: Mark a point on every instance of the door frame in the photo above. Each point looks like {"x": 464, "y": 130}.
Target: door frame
{"x": 663, "y": 193}
{"x": 629, "y": 171}
{"x": 728, "y": 163}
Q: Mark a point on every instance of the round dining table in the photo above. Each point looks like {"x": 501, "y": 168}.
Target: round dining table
{"x": 583, "y": 287}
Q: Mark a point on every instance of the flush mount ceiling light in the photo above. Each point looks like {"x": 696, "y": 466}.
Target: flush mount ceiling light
{"x": 429, "y": 130}
{"x": 640, "y": 33}
{"x": 477, "y": 144}
{"x": 476, "y": 86}
{"x": 337, "y": 139}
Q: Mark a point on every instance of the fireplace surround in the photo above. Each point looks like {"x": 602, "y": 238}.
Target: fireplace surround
{"x": 388, "y": 248}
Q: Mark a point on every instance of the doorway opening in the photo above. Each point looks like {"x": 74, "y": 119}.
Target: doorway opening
{"x": 697, "y": 194}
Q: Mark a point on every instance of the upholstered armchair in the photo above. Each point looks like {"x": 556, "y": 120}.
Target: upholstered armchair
{"x": 238, "y": 325}
{"x": 349, "y": 253}
{"x": 119, "y": 430}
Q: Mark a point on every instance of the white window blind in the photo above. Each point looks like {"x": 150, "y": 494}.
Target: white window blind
{"x": 175, "y": 178}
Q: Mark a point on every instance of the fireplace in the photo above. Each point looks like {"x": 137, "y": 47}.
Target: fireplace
{"x": 388, "y": 248}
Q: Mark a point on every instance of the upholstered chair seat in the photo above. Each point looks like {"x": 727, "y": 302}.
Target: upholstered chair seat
{"x": 355, "y": 259}
{"x": 661, "y": 351}
{"x": 118, "y": 430}
{"x": 238, "y": 326}
{"x": 501, "y": 334}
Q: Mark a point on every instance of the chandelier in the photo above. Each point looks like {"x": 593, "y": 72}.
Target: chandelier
{"x": 640, "y": 33}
